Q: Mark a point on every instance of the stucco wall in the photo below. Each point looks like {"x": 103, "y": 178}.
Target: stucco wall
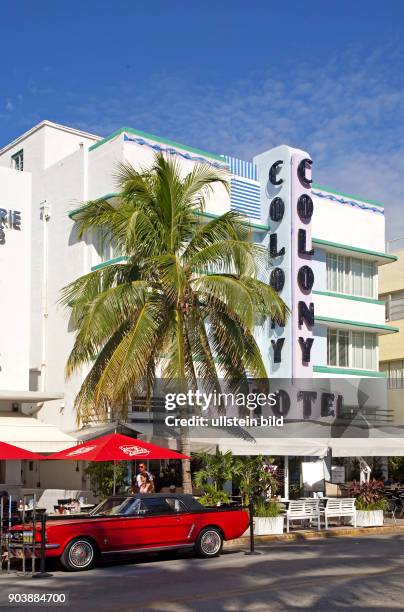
{"x": 15, "y": 272}
{"x": 336, "y": 222}
{"x": 66, "y": 261}
{"x": 392, "y": 345}
{"x": 391, "y": 277}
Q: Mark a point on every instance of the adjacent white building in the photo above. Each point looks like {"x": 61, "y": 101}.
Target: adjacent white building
{"x": 47, "y": 173}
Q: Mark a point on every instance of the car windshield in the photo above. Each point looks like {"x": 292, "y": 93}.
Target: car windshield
{"x": 122, "y": 506}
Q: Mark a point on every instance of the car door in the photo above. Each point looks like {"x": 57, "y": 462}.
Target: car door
{"x": 186, "y": 520}
{"x": 156, "y": 524}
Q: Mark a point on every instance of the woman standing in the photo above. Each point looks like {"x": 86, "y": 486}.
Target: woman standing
{"x": 146, "y": 485}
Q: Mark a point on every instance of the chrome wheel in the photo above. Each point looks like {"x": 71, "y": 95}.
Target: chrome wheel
{"x": 211, "y": 542}
{"x": 81, "y": 554}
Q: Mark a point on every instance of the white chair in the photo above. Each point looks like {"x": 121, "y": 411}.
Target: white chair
{"x": 338, "y": 508}
{"x": 303, "y": 510}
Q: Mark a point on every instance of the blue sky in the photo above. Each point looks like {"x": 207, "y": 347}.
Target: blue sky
{"x": 231, "y": 77}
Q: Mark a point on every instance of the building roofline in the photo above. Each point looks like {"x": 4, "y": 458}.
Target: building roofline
{"x": 46, "y": 123}
{"x": 155, "y": 138}
{"x": 345, "y": 195}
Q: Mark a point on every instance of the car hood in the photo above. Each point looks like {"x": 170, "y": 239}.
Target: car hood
{"x": 56, "y": 522}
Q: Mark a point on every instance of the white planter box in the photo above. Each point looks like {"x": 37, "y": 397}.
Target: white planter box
{"x": 369, "y": 518}
{"x": 267, "y": 525}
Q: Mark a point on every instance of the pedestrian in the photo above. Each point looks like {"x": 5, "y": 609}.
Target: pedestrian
{"x": 146, "y": 484}
{"x": 142, "y": 470}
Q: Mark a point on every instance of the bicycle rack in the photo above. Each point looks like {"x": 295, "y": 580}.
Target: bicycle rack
{"x": 28, "y": 544}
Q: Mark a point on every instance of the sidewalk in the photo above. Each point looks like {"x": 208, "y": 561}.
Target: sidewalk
{"x": 312, "y": 534}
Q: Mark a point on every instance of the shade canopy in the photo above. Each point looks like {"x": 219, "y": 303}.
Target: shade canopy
{"x": 116, "y": 447}
{"x": 14, "y": 453}
{"x": 299, "y": 447}
{"x": 32, "y": 434}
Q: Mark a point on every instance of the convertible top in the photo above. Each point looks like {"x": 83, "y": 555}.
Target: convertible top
{"x": 188, "y": 500}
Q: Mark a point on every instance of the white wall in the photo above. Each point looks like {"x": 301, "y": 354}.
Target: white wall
{"x": 66, "y": 261}
{"x": 104, "y": 159}
{"x": 102, "y": 163}
{"x": 351, "y": 310}
{"x": 42, "y": 148}
{"x": 348, "y": 225}
{"x": 15, "y": 303}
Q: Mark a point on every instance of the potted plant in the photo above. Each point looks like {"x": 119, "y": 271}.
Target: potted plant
{"x": 370, "y": 503}
{"x": 257, "y": 483}
{"x": 268, "y": 518}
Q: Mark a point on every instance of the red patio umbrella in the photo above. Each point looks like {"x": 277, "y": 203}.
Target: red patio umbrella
{"x": 15, "y": 453}
{"x": 116, "y": 447}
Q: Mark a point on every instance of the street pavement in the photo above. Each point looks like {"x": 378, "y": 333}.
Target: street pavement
{"x": 345, "y": 573}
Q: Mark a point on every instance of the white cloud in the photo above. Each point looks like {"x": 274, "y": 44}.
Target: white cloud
{"x": 349, "y": 116}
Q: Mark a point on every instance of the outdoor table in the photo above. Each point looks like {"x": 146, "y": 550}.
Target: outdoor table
{"x": 86, "y": 507}
{"x": 29, "y": 510}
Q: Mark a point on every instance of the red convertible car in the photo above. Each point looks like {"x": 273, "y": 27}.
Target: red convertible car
{"x": 134, "y": 524}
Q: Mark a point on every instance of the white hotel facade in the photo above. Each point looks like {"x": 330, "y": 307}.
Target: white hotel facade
{"x": 324, "y": 248}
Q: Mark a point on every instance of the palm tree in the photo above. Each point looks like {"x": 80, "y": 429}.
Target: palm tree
{"x": 183, "y": 304}
{"x": 217, "y": 468}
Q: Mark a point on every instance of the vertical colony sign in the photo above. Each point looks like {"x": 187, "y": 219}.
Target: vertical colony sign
{"x": 285, "y": 176}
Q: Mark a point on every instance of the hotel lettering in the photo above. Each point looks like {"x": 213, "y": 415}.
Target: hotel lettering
{"x": 9, "y": 219}
{"x": 290, "y": 211}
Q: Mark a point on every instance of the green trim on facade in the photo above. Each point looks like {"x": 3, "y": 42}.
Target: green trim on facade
{"x": 258, "y": 226}
{"x": 349, "y": 297}
{"x": 108, "y": 196}
{"x": 344, "y": 195}
{"x": 106, "y": 139}
{"x": 348, "y": 248}
{"x": 347, "y": 371}
{"x": 76, "y": 211}
{"x": 114, "y": 260}
{"x": 375, "y": 326}
{"x": 171, "y": 143}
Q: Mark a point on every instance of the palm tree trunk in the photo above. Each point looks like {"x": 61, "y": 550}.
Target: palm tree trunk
{"x": 186, "y": 464}
{"x": 184, "y": 431}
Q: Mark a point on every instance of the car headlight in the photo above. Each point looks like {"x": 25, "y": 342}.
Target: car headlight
{"x": 27, "y": 536}
{"x": 15, "y": 536}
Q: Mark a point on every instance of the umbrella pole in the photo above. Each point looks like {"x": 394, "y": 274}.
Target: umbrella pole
{"x": 114, "y": 477}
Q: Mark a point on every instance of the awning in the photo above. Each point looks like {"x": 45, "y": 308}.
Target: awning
{"x": 95, "y": 431}
{"x": 30, "y": 397}
{"x": 390, "y": 447}
{"x": 33, "y": 435}
{"x": 297, "y": 447}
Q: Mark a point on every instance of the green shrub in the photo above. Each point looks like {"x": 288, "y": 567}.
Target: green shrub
{"x": 267, "y": 509}
{"x": 380, "y": 504}
{"x": 101, "y": 475}
{"x": 369, "y": 495}
{"x": 213, "y": 497}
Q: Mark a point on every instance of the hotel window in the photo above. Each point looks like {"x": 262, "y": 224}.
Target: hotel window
{"x": 395, "y": 373}
{"x": 394, "y": 305}
{"x": 17, "y": 161}
{"x": 350, "y": 275}
{"x": 351, "y": 349}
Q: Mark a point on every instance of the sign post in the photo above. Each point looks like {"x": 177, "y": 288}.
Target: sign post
{"x": 252, "y": 550}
